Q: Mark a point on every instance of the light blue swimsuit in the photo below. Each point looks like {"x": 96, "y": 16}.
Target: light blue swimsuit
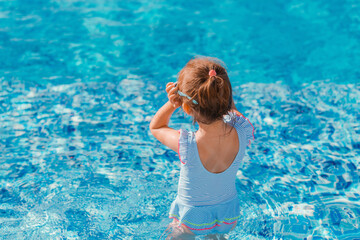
{"x": 207, "y": 202}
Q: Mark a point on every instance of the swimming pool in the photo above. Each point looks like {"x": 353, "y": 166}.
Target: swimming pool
{"x": 80, "y": 81}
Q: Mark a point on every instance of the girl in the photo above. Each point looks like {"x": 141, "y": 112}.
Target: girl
{"x": 207, "y": 201}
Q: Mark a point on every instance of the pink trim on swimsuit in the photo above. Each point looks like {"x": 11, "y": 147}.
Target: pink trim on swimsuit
{"x": 240, "y": 115}
{"x": 252, "y": 127}
{"x": 179, "y": 148}
{"x": 203, "y": 228}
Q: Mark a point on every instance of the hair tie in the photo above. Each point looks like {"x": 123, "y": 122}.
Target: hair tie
{"x": 212, "y": 73}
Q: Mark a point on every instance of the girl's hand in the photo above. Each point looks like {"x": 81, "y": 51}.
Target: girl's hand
{"x": 174, "y": 98}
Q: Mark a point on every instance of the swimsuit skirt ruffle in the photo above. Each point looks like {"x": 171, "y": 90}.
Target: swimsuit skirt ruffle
{"x": 208, "y": 219}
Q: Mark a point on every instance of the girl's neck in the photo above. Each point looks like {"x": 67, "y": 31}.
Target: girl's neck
{"x": 213, "y": 129}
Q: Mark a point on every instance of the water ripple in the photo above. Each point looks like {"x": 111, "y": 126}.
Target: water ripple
{"x": 79, "y": 161}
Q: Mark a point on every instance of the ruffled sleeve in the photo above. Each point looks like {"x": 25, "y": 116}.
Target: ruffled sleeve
{"x": 183, "y": 146}
{"x": 242, "y": 124}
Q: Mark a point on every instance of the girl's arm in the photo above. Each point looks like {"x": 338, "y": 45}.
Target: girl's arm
{"x": 159, "y": 124}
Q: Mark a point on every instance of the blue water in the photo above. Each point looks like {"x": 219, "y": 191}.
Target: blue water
{"x": 80, "y": 81}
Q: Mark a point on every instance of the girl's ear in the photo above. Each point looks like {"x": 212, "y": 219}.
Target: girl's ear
{"x": 186, "y": 108}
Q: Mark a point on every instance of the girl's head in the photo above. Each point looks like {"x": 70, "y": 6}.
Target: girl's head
{"x": 213, "y": 94}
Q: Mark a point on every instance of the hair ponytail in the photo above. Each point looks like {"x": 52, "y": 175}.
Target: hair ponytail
{"x": 213, "y": 98}
{"x": 212, "y": 90}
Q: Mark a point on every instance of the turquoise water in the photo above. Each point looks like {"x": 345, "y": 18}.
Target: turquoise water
{"x": 80, "y": 81}
{"x": 295, "y": 41}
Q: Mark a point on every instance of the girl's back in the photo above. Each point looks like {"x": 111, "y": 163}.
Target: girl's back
{"x": 197, "y": 185}
{"x": 217, "y": 148}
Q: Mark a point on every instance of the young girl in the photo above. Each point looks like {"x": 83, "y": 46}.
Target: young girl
{"x": 207, "y": 201}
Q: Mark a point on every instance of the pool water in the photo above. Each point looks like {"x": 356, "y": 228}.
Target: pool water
{"x": 81, "y": 80}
